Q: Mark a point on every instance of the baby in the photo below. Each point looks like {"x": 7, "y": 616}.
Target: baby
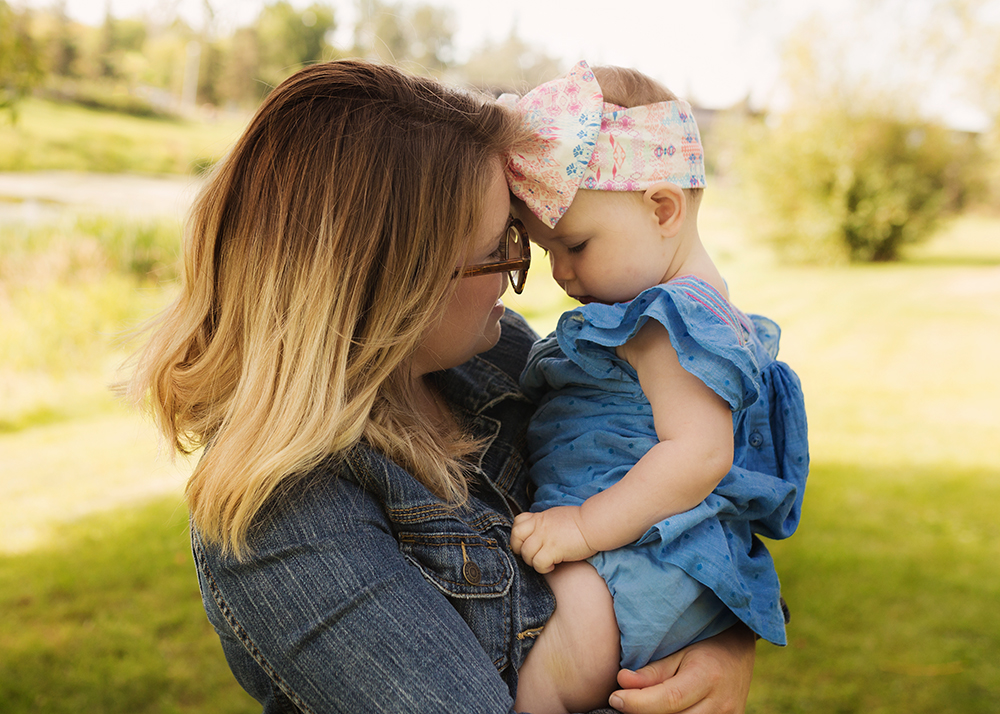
{"x": 667, "y": 435}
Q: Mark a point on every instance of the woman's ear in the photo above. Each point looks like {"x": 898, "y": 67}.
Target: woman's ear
{"x": 669, "y": 204}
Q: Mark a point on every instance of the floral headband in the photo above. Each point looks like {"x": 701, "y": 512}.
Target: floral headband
{"x": 580, "y": 141}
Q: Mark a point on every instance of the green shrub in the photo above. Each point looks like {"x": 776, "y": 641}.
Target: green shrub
{"x": 146, "y": 249}
{"x": 831, "y": 184}
{"x": 71, "y": 290}
{"x": 83, "y": 247}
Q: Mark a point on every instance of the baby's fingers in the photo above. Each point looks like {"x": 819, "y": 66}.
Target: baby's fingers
{"x": 542, "y": 561}
{"x": 524, "y": 526}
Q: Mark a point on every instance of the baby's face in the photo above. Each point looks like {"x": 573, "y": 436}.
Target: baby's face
{"x": 607, "y": 247}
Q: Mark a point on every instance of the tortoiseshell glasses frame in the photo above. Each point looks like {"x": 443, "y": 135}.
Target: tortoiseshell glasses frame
{"x": 515, "y": 258}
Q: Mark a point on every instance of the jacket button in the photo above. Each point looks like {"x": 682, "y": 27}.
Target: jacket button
{"x": 473, "y": 575}
{"x": 756, "y": 440}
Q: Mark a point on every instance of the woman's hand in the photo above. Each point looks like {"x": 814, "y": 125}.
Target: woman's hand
{"x": 543, "y": 540}
{"x": 708, "y": 677}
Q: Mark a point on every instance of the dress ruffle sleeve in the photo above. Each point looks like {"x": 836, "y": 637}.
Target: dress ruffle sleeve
{"x": 706, "y": 332}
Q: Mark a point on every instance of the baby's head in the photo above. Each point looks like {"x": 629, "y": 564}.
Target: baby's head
{"x": 611, "y": 183}
{"x": 631, "y": 88}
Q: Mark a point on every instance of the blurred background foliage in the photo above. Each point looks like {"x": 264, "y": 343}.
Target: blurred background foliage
{"x": 830, "y": 183}
{"x": 161, "y": 65}
{"x": 850, "y": 167}
{"x": 846, "y": 166}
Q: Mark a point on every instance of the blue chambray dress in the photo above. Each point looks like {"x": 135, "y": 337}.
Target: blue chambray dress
{"x": 692, "y": 575}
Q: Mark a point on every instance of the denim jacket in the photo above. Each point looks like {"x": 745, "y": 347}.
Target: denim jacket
{"x": 363, "y": 592}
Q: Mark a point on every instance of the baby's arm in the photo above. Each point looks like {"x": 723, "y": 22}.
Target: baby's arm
{"x": 695, "y": 450}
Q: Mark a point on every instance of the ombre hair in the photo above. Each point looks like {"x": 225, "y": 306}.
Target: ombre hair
{"x": 316, "y": 258}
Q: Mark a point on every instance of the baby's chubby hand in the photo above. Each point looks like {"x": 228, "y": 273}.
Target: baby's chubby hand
{"x": 553, "y": 536}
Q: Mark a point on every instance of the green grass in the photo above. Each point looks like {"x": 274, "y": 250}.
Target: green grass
{"x": 55, "y": 136}
{"x": 69, "y": 290}
{"x": 110, "y": 620}
{"x": 893, "y": 585}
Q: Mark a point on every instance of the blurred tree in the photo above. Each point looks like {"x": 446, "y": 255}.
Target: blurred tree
{"x": 418, "y": 38}
{"x": 105, "y": 64}
{"x": 379, "y": 33}
{"x": 978, "y": 45}
{"x": 855, "y": 183}
{"x": 163, "y": 55}
{"x": 239, "y": 83}
{"x": 20, "y": 60}
{"x": 431, "y": 45}
{"x": 63, "y": 46}
{"x": 850, "y": 167}
{"x": 512, "y": 65}
{"x": 210, "y": 76}
{"x": 288, "y": 39}
{"x": 118, "y": 37}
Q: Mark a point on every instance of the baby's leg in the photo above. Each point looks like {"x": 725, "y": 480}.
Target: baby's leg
{"x": 573, "y": 667}
{"x": 659, "y": 608}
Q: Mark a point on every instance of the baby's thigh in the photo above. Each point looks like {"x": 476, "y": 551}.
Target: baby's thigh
{"x": 573, "y": 666}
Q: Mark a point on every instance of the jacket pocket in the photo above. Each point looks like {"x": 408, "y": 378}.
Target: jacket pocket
{"x": 461, "y": 565}
{"x": 476, "y": 574}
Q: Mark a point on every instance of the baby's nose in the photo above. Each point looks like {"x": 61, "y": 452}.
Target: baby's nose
{"x": 562, "y": 272}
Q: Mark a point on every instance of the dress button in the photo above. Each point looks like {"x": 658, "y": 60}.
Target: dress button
{"x": 473, "y": 575}
{"x": 756, "y": 440}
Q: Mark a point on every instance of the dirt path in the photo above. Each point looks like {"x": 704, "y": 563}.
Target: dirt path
{"x": 36, "y": 195}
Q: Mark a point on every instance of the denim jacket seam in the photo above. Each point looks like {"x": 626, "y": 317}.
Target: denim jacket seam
{"x": 505, "y": 479}
{"x": 239, "y": 631}
{"x": 487, "y": 521}
{"x": 453, "y": 539}
{"x": 483, "y": 586}
{"x": 419, "y": 514}
{"x": 506, "y": 387}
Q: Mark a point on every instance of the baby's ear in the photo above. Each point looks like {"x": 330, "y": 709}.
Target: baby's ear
{"x": 669, "y": 204}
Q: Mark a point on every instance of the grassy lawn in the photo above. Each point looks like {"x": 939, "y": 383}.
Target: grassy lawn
{"x": 891, "y": 579}
{"x": 892, "y": 583}
{"x": 108, "y": 619}
{"x": 50, "y": 136}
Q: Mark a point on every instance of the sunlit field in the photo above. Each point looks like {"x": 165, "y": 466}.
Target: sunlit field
{"x": 891, "y": 579}
{"x": 47, "y": 136}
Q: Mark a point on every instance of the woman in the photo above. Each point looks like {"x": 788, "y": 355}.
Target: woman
{"x": 337, "y": 350}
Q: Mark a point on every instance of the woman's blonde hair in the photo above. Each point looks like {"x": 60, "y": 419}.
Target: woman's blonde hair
{"x": 316, "y": 258}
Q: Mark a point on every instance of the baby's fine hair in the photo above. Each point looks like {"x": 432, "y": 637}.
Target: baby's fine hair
{"x": 629, "y": 88}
